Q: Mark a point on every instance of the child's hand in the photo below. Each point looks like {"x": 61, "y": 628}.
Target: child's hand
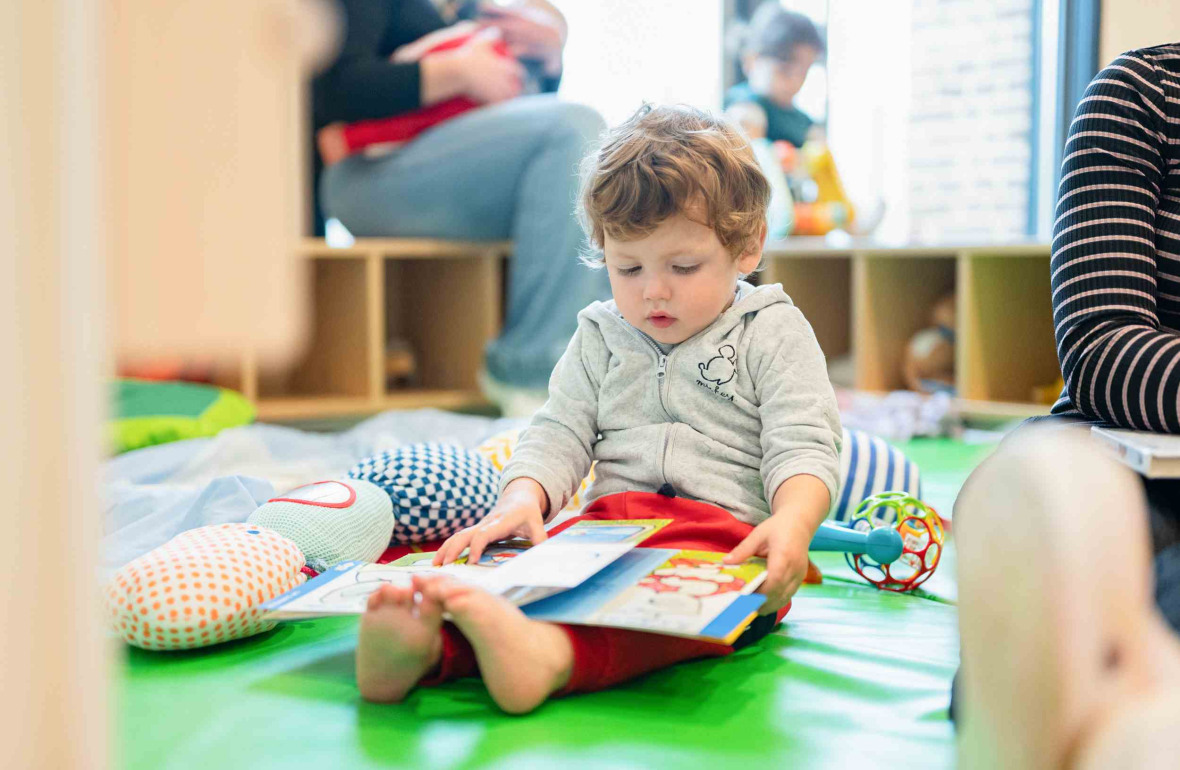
{"x": 520, "y": 512}
{"x": 784, "y": 544}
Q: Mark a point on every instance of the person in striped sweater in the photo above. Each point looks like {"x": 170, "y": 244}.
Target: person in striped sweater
{"x": 1116, "y": 271}
{"x": 1116, "y": 247}
{"x": 1069, "y": 662}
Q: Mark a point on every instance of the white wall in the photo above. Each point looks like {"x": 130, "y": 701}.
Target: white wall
{"x": 869, "y": 105}
{"x": 1128, "y": 24}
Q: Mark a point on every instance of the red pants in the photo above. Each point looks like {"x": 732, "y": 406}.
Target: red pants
{"x": 607, "y": 656}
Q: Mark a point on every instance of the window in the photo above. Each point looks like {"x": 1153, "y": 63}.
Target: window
{"x": 950, "y": 113}
{"x": 621, "y": 53}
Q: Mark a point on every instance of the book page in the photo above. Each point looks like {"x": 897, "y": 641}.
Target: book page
{"x": 570, "y": 557}
{"x": 664, "y": 591}
{"x": 512, "y": 569}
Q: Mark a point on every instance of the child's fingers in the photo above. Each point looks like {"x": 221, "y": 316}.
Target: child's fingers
{"x": 441, "y": 553}
{"x": 440, "y": 556}
{"x": 776, "y": 570}
{"x": 537, "y": 532}
{"x": 780, "y": 586}
{"x": 745, "y": 549}
{"x": 483, "y": 536}
{"x": 792, "y": 588}
{"x": 453, "y": 547}
{"x": 776, "y": 582}
{"x": 775, "y": 598}
{"x": 491, "y": 530}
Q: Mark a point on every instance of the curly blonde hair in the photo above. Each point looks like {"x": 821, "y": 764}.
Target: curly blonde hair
{"x": 670, "y": 160}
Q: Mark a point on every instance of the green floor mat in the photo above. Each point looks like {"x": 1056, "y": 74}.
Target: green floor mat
{"x": 855, "y": 677}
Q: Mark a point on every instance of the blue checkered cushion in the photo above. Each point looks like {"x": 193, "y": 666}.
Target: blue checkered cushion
{"x": 436, "y": 489}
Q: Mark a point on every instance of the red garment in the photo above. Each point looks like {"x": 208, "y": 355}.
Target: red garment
{"x": 607, "y": 656}
{"x": 399, "y": 129}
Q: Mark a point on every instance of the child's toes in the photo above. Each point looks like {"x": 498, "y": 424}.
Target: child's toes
{"x": 434, "y": 587}
{"x": 461, "y": 599}
{"x": 389, "y": 595}
{"x": 378, "y": 598}
{"x": 428, "y": 607}
{"x": 449, "y": 591}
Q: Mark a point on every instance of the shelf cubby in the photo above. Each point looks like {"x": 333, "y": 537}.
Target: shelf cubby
{"x": 864, "y": 299}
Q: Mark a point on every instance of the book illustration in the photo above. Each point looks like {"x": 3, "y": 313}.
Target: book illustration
{"x": 683, "y": 594}
{"x": 662, "y": 590}
{"x": 680, "y": 586}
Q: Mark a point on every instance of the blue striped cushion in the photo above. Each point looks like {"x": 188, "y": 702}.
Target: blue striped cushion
{"x": 869, "y": 465}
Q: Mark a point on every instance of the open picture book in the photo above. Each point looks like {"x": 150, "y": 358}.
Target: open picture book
{"x": 590, "y": 574}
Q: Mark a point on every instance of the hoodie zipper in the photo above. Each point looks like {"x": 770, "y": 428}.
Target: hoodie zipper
{"x": 661, "y": 378}
{"x": 661, "y": 367}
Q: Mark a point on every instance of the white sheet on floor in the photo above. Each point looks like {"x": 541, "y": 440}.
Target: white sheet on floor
{"x": 153, "y": 494}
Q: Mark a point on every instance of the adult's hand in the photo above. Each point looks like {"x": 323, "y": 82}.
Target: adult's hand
{"x": 475, "y": 69}
{"x": 416, "y": 50}
{"x": 532, "y": 31}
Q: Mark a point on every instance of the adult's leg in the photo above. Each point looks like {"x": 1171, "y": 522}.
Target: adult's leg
{"x": 1163, "y": 517}
{"x": 505, "y": 171}
{"x": 1061, "y": 638}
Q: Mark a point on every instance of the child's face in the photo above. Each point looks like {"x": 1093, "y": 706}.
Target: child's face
{"x": 675, "y": 281}
{"x": 780, "y": 80}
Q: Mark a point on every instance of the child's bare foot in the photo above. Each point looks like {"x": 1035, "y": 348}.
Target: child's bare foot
{"x": 522, "y": 661}
{"x": 399, "y": 642}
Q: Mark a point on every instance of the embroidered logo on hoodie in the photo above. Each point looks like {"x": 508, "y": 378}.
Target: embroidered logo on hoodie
{"x": 719, "y": 370}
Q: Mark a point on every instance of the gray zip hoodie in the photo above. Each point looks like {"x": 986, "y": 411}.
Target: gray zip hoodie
{"x": 725, "y": 417}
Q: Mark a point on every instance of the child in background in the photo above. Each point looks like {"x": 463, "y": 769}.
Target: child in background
{"x": 779, "y": 50}
{"x": 703, "y": 399}
{"x": 780, "y": 214}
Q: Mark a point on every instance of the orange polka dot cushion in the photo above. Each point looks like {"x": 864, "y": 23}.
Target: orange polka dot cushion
{"x": 202, "y": 587}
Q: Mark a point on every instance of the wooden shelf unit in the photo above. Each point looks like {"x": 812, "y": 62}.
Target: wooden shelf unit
{"x": 864, "y": 299}
{"x": 442, "y": 297}
{"x": 867, "y": 299}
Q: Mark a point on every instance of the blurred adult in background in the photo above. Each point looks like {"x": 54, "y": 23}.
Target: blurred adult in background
{"x": 1116, "y": 272}
{"x": 508, "y": 170}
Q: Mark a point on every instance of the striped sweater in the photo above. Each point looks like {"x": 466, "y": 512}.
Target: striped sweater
{"x": 1116, "y": 247}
